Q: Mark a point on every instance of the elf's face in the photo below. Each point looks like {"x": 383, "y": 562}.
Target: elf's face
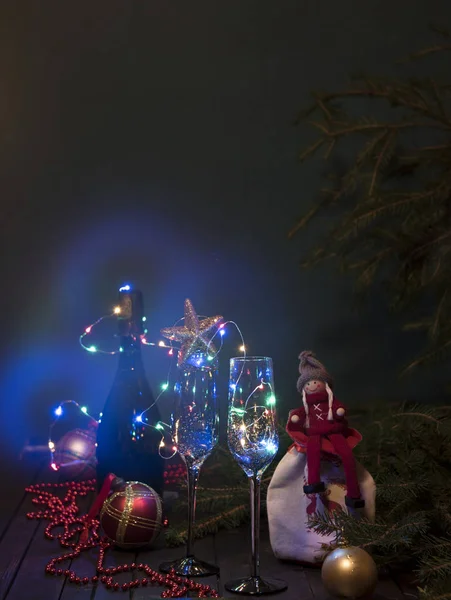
{"x": 313, "y": 386}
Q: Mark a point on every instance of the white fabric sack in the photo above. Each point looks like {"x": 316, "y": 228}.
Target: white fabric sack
{"x": 289, "y": 508}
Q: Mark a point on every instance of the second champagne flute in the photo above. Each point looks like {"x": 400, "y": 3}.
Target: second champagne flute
{"x": 195, "y": 431}
{"x": 253, "y": 441}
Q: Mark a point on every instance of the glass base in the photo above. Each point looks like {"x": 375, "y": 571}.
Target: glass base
{"x": 255, "y": 586}
{"x": 190, "y": 566}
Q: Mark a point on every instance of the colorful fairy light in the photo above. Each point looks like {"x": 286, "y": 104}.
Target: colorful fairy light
{"x": 88, "y": 331}
{"x": 163, "y": 428}
{"x": 241, "y": 412}
{"x": 116, "y": 311}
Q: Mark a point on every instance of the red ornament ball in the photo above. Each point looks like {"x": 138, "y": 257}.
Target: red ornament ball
{"x": 75, "y": 454}
{"x": 133, "y": 516}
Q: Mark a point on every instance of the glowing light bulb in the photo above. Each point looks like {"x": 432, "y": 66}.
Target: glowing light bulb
{"x": 143, "y": 340}
{"x": 210, "y": 357}
{"x": 59, "y": 411}
{"x": 243, "y": 427}
{"x": 91, "y": 349}
{"x": 84, "y": 409}
{"x": 51, "y": 445}
{"x": 222, "y": 332}
{"x": 144, "y": 318}
{"x": 54, "y": 467}
{"x": 261, "y": 386}
{"x": 161, "y": 344}
{"x": 271, "y": 446}
{"x": 125, "y": 288}
{"x": 271, "y": 400}
{"x": 159, "y": 426}
{"x": 139, "y": 419}
{"x": 117, "y": 310}
{"x": 161, "y": 444}
{"x": 233, "y": 386}
{"x": 171, "y": 352}
{"x": 164, "y": 386}
{"x": 101, "y": 414}
{"x": 121, "y": 349}
{"x": 88, "y": 329}
{"x": 242, "y": 348}
{"x": 242, "y": 442}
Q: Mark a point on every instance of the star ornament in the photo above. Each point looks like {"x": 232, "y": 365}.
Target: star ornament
{"x": 194, "y": 335}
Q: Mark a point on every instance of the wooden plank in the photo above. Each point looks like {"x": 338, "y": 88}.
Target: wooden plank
{"x": 233, "y": 551}
{"x": 313, "y": 576}
{"x": 18, "y": 476}
{"x": 407, "y": 583}
{"x": 19, "y": 531}
{"x": 387, "y": 589}
{"x": 32, "y": 570}
{"x": 204, "y": 549}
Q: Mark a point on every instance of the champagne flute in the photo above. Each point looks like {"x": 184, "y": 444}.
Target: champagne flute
{"x": 253, "y": 441}
{"x": 195, "y": 431}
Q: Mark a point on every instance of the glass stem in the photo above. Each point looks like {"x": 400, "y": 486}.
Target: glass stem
{"x": 255, "y": 525}
{"x": 193, "y": 477}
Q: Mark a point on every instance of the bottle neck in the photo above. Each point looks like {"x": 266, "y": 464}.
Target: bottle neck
{"x": 130, "y": 353}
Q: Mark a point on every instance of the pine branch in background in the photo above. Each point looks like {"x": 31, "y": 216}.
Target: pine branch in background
{"x": 390, "y": 206}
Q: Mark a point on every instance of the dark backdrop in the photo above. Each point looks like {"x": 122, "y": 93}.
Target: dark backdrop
{"x": 153, "y": 142}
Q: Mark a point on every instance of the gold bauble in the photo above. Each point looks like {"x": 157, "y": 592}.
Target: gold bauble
{"x": 349, "y": 572}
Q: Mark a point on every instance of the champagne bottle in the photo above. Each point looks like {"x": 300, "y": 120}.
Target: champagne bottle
{"x": 126, "y": 444}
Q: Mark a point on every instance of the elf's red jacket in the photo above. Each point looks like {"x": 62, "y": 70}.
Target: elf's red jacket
{"x": 318, "y": 405}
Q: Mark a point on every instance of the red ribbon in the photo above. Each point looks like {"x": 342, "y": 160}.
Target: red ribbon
{"x": 97, "y": 505}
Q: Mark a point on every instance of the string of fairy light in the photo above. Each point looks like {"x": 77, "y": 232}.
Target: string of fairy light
{"x": 163, "y": 428}
{"x": 267, "y": 411}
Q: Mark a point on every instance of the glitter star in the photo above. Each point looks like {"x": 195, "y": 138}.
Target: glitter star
{"x": 194, "y": 335}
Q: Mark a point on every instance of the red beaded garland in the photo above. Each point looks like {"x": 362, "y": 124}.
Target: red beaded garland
{"x": 64, "y": 513}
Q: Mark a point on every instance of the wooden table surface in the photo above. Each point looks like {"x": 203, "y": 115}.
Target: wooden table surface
{"x": 24, "y": 553}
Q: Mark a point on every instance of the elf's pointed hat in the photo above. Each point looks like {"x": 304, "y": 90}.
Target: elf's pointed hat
{"x": 310, "y": 368}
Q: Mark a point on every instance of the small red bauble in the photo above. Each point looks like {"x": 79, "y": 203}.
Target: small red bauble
{"x": 75, "y": 454}
{"x": 132, "y": 517}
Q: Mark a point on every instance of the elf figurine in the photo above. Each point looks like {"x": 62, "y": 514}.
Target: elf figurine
{"x": 320, "y": 426}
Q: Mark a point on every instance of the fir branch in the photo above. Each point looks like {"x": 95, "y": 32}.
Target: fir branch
{"x": 429, "y": 357}
{"x": 421, "y": 415}
{"x": 175, "y": 536}
{"x": 431, "y": 544}
{"x": 427, "y": 594}
{"x": 393, "y": 230}
{"x": 384, "y": 156}
{"x": 428, "y": 51}
{"x": 435, "y": 567}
